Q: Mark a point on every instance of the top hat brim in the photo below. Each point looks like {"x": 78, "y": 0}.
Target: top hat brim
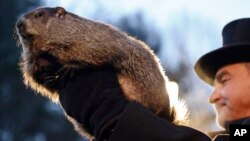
{"x": 208, "y": 65}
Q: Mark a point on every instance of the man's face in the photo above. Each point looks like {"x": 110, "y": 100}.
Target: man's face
{"x": 231, "y": 96}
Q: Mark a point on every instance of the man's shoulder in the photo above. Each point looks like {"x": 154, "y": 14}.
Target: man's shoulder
{"x": 246, "y": 121}
{"x": 221, "y": 137}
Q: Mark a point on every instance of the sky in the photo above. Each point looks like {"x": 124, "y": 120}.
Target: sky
{"x": 199, "y": 22}
{"x": 222, "y": 11}
{"x": 161, "y": 13}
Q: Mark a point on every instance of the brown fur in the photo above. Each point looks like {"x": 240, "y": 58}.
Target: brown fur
{"x": 77, "y": 42}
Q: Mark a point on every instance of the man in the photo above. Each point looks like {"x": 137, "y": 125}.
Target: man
{"x": 227, "y": 69}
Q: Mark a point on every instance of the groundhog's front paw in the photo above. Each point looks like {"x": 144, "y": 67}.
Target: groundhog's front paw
{"x": 49, "y": 80}
{"x": 46, "y": 77}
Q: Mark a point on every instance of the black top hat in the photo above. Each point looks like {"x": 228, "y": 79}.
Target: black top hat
{"x": 235, "y": 49}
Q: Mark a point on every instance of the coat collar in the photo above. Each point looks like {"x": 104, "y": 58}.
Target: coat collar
{"x": 242, "y": 121}
{"x": 224, "y": 135}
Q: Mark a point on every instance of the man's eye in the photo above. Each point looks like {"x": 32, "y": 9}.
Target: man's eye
{"x": 224, "y": 80}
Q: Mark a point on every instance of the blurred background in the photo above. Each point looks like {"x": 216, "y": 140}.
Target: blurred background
{"x": 179, "y": 32}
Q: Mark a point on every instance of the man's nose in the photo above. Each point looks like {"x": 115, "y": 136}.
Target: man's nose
{"x": 215, "y": 96}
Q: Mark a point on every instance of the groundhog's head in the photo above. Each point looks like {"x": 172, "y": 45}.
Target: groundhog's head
{"x": 42, "y": 28}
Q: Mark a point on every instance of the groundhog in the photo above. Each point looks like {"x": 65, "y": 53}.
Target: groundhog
{"x": 58, "y": 41}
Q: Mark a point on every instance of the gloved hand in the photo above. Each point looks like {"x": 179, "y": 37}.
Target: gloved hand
{"x": 94, "y": 98}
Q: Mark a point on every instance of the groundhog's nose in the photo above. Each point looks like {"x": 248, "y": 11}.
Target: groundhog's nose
{"x": 21, "y": 28}
{"x": 20, "y": 23}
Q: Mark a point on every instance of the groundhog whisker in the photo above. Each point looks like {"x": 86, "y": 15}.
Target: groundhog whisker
{"x": 15, "y": 36}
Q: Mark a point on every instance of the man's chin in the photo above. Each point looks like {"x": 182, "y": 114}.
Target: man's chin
{"x": 221, "y": 121}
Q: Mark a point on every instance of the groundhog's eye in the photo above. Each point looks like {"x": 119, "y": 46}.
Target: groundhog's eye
{"x": 39, "y": 14}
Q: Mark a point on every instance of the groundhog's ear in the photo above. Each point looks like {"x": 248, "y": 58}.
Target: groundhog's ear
{"x": 60, "y": 12}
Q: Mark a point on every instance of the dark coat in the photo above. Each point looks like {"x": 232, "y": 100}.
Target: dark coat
{"x": 139, "y": 124}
